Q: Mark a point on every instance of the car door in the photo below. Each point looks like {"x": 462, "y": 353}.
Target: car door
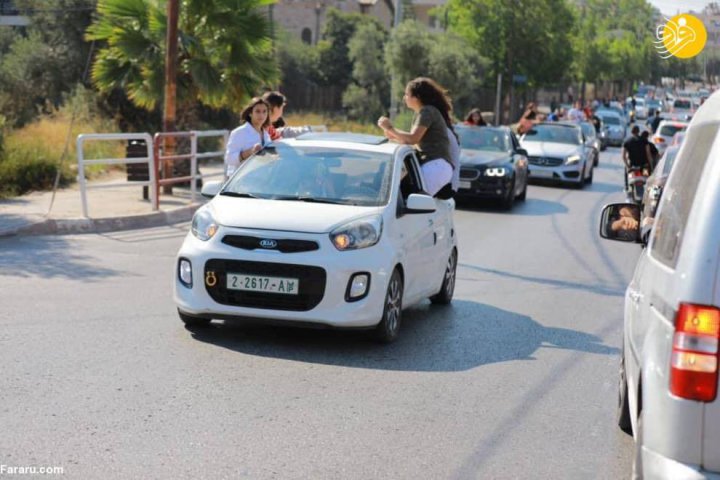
{"x": 415, "y": 235}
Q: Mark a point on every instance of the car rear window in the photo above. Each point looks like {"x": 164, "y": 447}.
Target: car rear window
{"x": 611, "y": 120}
{"x": 671, "y": 130}
{"x": 679, "y": 194}
{"x": 682, "y": 104}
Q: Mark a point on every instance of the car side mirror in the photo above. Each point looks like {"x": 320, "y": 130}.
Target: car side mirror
{"x": 419, "y": 203}
{"x": 621, "y": 222}
{"x": 210, "y": 189}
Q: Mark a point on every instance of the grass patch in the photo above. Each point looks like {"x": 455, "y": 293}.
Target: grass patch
{"x": 33, "y": 154}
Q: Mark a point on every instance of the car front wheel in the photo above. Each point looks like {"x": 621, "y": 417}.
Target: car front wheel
{"x": 389, "y": 327}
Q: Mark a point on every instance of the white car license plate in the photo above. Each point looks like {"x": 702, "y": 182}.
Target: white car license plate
{"x": 465, "y": 185}
{"x": 257, "y": 283}
{"x": 541, "y": 173}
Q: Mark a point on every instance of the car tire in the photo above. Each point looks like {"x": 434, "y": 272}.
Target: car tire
{"x": 597, "y": 159}
{"x": 589, "y": 179}
{"x": 523, "y": 195}
{"x": 637, "y": 468}
{"x": 389, "y": 327}
{"x": 623, "y": 406}
{"x": 509, "y": 199}
{"x": 445, "y": 295}
{"x": 191, "y": 321}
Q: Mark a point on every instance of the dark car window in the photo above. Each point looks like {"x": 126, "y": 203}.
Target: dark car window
{"x": 670, "y": 130}
{"x": 483, "y": 138}
{"x": 677, "y": 199}
{"x": 686, "y": 104}
{"x": 611, "y": 120}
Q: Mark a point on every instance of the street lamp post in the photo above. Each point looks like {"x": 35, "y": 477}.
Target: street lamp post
{"x": 318, "y": 10}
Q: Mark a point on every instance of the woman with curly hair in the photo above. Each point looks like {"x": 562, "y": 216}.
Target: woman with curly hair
{"x": 429, "y": 133}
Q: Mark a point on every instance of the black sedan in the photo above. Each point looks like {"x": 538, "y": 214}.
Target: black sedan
{"x": 492, "y": 165}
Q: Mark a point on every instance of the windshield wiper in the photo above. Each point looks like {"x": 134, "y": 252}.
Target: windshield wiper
{"x": 311, "y": 200}
{"x": 238, "y": 194}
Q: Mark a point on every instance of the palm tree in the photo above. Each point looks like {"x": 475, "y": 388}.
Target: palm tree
{"x": 224, "y": 50}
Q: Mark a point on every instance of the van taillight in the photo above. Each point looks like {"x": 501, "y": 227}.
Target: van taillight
{"x": 694, "y": 363}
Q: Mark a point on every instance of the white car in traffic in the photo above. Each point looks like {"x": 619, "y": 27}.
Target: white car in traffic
{"x": 330, "y": 230}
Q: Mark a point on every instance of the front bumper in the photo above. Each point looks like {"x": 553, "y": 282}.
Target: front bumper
{"x": 563, "y": 173}
{"x": 477, "y": 185}
{"x": 331, "y": 309}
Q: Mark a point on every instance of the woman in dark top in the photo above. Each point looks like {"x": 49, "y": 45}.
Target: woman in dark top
{"x": 429, "y": 133}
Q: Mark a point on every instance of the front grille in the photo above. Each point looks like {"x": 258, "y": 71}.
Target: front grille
{"x": 546, "y": 161}
{"x": 469, "y": 174}
{"x": 284, "y": 245}
{"x": 311, "y": 285}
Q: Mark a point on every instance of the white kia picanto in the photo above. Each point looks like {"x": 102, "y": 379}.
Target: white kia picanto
{"x": 326, "y": 229}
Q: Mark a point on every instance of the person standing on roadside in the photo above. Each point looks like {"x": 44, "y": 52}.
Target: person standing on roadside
{"x": 429, "y": 132}
{"x": 250, "y": 137}
{"x": 278, "y": 129}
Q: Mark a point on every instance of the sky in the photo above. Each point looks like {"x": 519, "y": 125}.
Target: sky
{"x": 671, "y": 7}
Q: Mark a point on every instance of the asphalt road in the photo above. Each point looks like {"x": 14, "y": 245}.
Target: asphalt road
{"x": 517, "y": 379}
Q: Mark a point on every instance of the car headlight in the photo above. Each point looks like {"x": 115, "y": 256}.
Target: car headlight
{"x": 203, "y": 225}
{"x": 572, "y": 160}
{"x": 495, "y": 172}
{"x": 362, "y": 233}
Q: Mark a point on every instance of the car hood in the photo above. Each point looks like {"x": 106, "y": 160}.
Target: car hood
{"x": 551, "y": 149}
{"x": 482, "y": 157}
{"x": 285, "y": 215}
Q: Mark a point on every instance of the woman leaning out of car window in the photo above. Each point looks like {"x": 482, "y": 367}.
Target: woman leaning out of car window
{"x": 429, "y": 132}
{"x": 250, "y": 137}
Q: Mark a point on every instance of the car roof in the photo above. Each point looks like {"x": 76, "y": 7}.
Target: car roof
{"x": 343, "y": 140}
{"x": 677, "y": 123}
{"x": 606, "y": 111}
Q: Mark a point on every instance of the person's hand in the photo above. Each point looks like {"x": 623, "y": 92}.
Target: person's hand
{"x": 628, "y": 223}
{"x": 384, "y": 123}
{"x": 256, "y": 148}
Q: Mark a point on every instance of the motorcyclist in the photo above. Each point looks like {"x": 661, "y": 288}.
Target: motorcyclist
{"x": 636, "y": 153}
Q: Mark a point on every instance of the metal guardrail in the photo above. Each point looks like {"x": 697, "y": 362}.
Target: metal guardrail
{"x": 82, "y": 161}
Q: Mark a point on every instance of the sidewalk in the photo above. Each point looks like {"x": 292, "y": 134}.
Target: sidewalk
{"x": 109, "y": 209}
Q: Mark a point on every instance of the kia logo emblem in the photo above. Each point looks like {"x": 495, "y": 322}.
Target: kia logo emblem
{"x": 268, "y": 243}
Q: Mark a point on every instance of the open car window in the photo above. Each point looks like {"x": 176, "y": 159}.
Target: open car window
{"x": 331, "y": 175}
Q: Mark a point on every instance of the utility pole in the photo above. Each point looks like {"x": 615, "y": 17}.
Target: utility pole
{"x": 171, "y": 42}
{"x": 393, "y": 101}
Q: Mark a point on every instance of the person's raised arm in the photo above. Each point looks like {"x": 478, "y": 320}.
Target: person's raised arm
{"x": 410, "y": 138}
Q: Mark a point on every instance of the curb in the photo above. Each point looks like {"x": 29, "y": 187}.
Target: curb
{"x": 69, "y": 226}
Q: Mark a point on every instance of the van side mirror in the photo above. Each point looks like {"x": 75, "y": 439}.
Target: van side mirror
{"x": 620, "y": 222}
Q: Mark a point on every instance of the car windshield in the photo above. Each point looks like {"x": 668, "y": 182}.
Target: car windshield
{"x": 314, "y": 174}
{"x": 671, "y": 130}
{"x": 483, "y": 138}
{"x": 611, "y": 120}
{"x": 682, "y": 104}
{"x": 588, "y": 129}
{"x": 553, "y": 133}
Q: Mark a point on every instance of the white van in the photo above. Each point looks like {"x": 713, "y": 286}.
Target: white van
{"x": 669, "y": 369}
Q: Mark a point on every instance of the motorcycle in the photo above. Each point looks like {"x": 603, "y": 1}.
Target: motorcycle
{"x": 636, "y": 183}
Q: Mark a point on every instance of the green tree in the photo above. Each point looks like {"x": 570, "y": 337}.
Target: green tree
{"x": 366, "y": 98}
{"x": 224, "y": 50}
{"x": 407, "y": 54}
{"x": 334, "y": 64}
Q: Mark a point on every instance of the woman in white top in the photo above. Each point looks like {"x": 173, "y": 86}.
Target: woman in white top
{"x": 250, "y": 137}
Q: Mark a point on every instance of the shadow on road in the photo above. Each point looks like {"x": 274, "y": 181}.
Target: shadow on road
{"x": 48, "y": 257}
{"x": 530, "y": 207}
{"x": 459, "y": 337}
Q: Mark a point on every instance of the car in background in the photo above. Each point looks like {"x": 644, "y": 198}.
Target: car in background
{"x": 557, "y": 151}
{"x": 668, "y": 377}
{"x": 682, "y": 109}
{"x": 653, "y": 105}
{"x": 614, "y": 127}
{"x": 678, "y": 138}
{"x": 641, "y": 112}
{"x": 618, "y": 108}
{"x": 656, "y": 182}
{"x": 665, "y": 132}
{"x": 592, "y": 140}
{"x": 492, "y": 165}
{"x": 327, "y": 229}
